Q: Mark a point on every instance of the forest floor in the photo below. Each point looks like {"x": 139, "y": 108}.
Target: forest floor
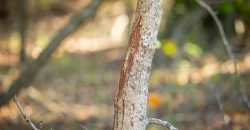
{"x": 79, "y": 89}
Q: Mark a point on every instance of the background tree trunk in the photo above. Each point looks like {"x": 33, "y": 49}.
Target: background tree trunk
{"x": 22, "y": 5}
{"x": 131, "y": 97}
{"x": 31, "y": 70}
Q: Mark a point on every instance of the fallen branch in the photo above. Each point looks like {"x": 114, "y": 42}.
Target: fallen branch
{"x": 25, "y": 117}
{"x": 228, "y": 49}
{"x": 162, "y": 123}
{"x": 28, "y": 75}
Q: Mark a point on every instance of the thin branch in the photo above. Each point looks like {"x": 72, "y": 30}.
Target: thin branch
{"x": 25, "y": 117}
{"x": 40, "y": 125}
{"x": 83, "y": 127}
{"x": 228, "y": 49}
{"x": 219, "y": 102}
{"x": 162, "y": 123}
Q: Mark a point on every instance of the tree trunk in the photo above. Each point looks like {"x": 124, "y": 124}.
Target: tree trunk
{"x": 131, "y": 97}
{"x": 22, "y": 28}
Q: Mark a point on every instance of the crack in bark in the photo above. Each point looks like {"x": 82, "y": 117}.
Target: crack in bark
{"x": 126, "y": 67}
{"x": 132, "y": 50}
{"x": 123, "y": 111}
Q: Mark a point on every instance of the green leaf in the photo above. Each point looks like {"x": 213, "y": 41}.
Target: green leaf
{"x": 226, "y": 8}
{"x": 192, "y": 49}
{"x": 169, "y": 47}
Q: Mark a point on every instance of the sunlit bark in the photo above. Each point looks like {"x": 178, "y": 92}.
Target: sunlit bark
{"x": 131, "y": 97}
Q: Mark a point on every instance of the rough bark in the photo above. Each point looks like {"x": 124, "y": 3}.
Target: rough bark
{"x": 27, "y": 76}
{"x": 131, "y": 97}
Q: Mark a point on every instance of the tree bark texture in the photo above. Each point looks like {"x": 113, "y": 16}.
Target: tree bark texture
{"x": 131, "y": 97}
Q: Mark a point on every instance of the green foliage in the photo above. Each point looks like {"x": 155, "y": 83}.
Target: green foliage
{"x": 226, "y": 8}
{"x": 93, "y": 78}
{"x": 193, "y": 49}
{"x": 180, "y": 9}
{"x": 67, "y": 63}
{"x": 183, "y": 65}
{"x": 169, "y": 47}
{"x": 14, "y": 41}
{"x": 241, "y": 7}
{"x": 216, "y": 77}
{"x": 46, "y": 3}
{"x": 42, "y": 39}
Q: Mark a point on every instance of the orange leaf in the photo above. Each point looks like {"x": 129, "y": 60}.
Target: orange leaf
{"x": 154, "y": 100}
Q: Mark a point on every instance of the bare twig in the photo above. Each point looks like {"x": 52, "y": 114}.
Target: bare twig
{"x": 228, "y": 49}
{"x": 40, "y": 125}
{"x": 25, "y": 117}
{"x": 83, "y": 127}
{"x": 219, "y": 102}
{"x": 161, "y": 122}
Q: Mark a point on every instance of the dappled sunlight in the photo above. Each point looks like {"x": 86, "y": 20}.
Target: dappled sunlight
{"x": 90, "y": 45}
{"x": 56, "y": 109}
{"x": 115, "y": 39}
{"x": 9, "y": 112}
{"x": 211, "y": 69}
{"x": 192, "y": 49}
{"x": 196, "y": 77}
{"x": 77, "y": 111}
{"x": 119, "y": 27}
{"x": 14, "y": 41}
{"x": 183, "y": 71}
{"x": 6, "y": 59}
{"x": 36, "y": 52}
{"x": 239, "y": 27}
{"x": 187, "y": 72}
{"x": 77, "y": 84}
{"x": 182, "y": 78}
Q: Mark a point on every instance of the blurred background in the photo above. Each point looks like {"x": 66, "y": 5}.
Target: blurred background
{"x": 192, "y": 82}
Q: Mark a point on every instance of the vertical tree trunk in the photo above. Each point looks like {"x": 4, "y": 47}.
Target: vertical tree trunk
{"x": 22, "y": 28}
{"x": 131, "y": 97}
